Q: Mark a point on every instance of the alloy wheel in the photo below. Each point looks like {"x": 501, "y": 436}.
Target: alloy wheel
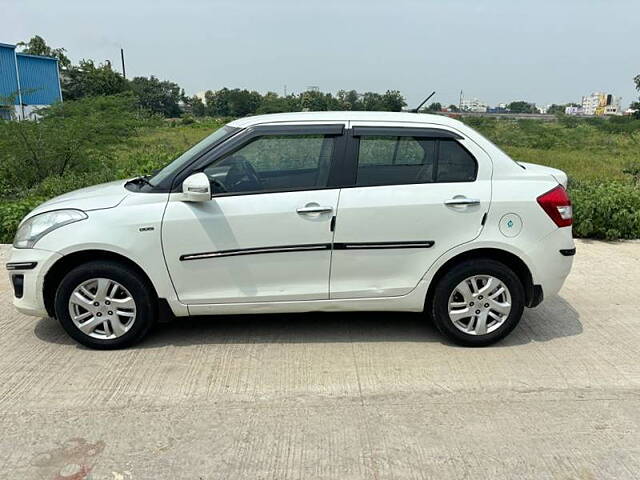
{"x": 479, "y": 305}
{"x": 102, "y": 308}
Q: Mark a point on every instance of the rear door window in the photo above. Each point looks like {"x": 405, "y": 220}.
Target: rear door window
{"x": 398, "y": 160}
{"x": 395, "y": 160}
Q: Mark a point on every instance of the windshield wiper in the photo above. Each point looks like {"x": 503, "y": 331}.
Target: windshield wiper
{"x": 142, "y": 179}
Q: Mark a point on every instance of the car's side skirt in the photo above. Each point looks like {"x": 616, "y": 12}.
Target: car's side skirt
{"x": 411, "y": 302}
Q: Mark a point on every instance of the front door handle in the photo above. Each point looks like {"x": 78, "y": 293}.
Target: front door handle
{"x": 311, "y": 209}
{"x": 462, "y": 201}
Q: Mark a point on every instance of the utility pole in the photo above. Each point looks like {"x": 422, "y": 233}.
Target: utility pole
{"x": 460, "y": 103}
{"x": 124, "y": 73}
{"x": 285, "y": 90}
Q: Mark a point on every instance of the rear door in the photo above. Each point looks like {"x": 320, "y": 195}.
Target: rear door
{"x": 417, "y": 193}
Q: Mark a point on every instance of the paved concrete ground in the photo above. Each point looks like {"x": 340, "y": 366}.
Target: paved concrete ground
{"x": 346, "y": 396}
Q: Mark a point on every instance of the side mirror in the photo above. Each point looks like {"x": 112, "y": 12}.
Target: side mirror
{"x": 196, "y": 188}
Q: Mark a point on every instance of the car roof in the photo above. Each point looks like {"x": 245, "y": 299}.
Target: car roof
{"x": 341, "y": 116}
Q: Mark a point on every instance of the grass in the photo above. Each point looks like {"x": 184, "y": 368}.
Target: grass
{"x": 586, "y": 149}
{"x": 154, "y": 147}
{"x": 578, "y": 164}
{"x": 178, "y": 136}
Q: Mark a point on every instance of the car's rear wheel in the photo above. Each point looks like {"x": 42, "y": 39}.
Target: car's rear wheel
{"x": 105, "y": 305}
{"x": 478, "y": 302}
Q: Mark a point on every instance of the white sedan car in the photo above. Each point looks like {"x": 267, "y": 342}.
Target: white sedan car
{"x": 299, "y": 212}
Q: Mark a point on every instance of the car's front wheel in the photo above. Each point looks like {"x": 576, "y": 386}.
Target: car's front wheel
{"x": 478, "y": 302}
{"x": 105, "y": 305}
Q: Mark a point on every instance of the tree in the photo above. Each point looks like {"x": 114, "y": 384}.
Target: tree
{"x": 232, "y": 103}
{"x": 393, "y": 101}
{"x": 273, "y": 103}
{"x": 162, "y": 97}
{"x": 7, "y": 107}
{"x": 453, "y": 108}
{"x": 556, "y": 109}
{"x": 434, "y": 107}
{"x": 243, "y": 102}
{"x": 521, "y": 107}
{"x": 82, "y": 80}
{"x": 88, "y": 79}
{"x": 636, "y": 105}
{"x": 314, "y": 101}
{"x": 348, "y": 100}
{"x": 37, "y": 46}
{"x": 197, "y": 106}
{"x": 371, "y": 101}
{"x": 216, "y": 103}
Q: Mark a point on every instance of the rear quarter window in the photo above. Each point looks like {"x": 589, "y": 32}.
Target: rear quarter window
{"x": 455, "y": 163}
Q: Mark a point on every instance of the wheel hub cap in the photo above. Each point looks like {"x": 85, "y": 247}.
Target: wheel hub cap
{"x": 479, "y": 305}
{"x": 102, "y": 308}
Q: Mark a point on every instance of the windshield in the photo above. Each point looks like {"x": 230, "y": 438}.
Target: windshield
{"x": 174, "y": 167}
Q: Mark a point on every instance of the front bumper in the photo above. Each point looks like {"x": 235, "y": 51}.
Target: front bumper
{"x": 27, "y": 268}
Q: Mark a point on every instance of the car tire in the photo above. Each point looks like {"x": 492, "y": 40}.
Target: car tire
{"x": 455, "y": 309}
{"x": 113, "y": 305}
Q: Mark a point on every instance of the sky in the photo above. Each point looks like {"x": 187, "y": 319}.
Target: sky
{"x": 540, "y": 51}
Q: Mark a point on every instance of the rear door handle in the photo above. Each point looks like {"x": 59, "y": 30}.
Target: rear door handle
{"x": 314, "y": 209}
{"x": 461, "y": 201}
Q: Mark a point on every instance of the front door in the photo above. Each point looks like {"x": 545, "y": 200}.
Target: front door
{"x": 265, "y": 235}
{"x": 418, "y": 193}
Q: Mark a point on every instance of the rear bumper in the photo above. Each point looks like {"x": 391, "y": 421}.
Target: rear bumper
{"x": 553, "y": 258}
{"x": 27, "y": 268}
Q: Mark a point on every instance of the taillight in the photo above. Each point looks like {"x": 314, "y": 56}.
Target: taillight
{"x": 557, "y": 204}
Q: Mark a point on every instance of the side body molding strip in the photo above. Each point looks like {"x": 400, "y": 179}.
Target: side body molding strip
{"x": 306, "y": 248}
{"x": 382, "y": 245}
{"x": 256, "y": 251}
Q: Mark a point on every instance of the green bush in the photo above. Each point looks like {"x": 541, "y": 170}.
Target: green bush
{"x": 187, "y": 120}
{"x": 75, "y": 137}
{"x": 60, "y": 184}
{"x": 144, "y": 161}
{"x": 605, "y": 210}
{"x": 11, "y": 213}
{"x": 632, "y": 168}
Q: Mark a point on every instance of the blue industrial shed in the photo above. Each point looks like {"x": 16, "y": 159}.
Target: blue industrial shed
{"x": 27, "y": 82}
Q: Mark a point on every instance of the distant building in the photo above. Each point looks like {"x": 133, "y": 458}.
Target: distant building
{"x": 27, "y": 82}
{"x": 473, "y": 105}
{"x": 572, "y": 110}
{"x": 600, "y": 103}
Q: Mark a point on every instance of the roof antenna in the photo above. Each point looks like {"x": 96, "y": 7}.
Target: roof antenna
{"x": 415, "y": 110}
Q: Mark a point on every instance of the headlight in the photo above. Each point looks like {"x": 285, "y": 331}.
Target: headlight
{"x": 38, "y": 226}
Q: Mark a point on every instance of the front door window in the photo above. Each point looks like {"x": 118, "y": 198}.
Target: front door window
{"x": 274, "y": 163}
